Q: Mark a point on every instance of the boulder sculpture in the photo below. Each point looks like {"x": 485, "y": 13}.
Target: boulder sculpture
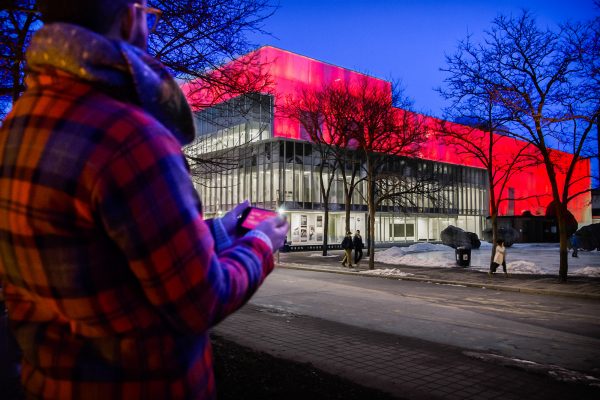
{"x": 456, "y": 237}
{"x": 588, "y": 237}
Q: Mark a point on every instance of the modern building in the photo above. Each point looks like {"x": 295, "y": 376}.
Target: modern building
{"x": 261, "y": 155}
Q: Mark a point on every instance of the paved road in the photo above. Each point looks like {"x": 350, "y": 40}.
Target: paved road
{"x": 549, "y": 330}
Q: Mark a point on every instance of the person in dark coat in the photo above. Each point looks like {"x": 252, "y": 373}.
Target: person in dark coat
{"x": 358, "y": 246}
{"x": 347, "y": 246}
{"x": 574, "y": 244}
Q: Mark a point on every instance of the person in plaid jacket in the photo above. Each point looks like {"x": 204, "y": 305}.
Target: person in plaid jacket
{"x": 111, "y": 276}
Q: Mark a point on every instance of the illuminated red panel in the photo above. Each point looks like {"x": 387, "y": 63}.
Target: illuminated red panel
{"x": 532, "y": 190}
{"x": 290, "y": 72}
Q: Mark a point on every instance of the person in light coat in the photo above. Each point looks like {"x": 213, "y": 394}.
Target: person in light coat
{"x": 499, "y": 258}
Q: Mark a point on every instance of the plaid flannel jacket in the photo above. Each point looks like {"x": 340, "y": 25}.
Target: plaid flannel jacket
{"x": 110, "y": 272}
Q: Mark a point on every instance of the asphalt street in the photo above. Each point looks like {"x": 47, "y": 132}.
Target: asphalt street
{"x": 549, "y": 330}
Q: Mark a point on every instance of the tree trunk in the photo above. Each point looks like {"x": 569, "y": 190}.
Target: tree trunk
{"x": 326, "y": 228}
{"x": 371, "y": 206}
{"x": 491, "y": 184}
{"x": 372, "y": 237}
{"x": 347, "y": 205}
{"x": 367, "y": 235}
{"x": 561, "y": 216}
{"x": 494, "y": 217}
{"x": 325, "y": 191}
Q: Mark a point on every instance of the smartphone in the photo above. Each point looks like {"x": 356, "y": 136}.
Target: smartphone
{"x": 252, "y": 216}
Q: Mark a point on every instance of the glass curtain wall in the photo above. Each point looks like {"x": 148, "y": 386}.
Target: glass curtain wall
{"x": 282, "y": 173}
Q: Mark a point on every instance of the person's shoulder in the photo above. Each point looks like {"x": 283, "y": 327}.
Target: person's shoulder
{"x": 123, "y": 122}
{"x": 110, "y": 110}
{"x": 125, "y": 130}
{"x": 120, "y": 113}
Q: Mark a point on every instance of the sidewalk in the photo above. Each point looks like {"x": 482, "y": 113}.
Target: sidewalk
{"x": 406, "y": 367}
{"x": 576, "y": 286}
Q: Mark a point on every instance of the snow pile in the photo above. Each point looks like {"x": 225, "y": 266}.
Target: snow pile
{"x": 522, "y": 267}
{"x": 423, "y": 247}
{"x": 421, "y": 254}
{"x": 522, "y": 258}
{"x": 591, "y": 271}
{"x": 395, "y": 272}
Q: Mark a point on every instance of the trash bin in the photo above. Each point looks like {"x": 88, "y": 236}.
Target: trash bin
{"x": 463, "y": 256}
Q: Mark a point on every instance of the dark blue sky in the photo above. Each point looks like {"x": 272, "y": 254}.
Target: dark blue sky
{"x": 401, "y": 39}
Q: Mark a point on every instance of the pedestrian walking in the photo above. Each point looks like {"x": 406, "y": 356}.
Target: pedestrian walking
{"x": 347, "y": 246}
{"x": 499, "y": 258}
{"x": 574, "y": 244}
{"x": 111, "y": 275}
{"x": 358, "y": 246}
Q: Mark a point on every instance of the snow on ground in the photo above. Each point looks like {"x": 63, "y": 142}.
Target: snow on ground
{"x": 522, "y": 258}
{"x": 395, "y": 272}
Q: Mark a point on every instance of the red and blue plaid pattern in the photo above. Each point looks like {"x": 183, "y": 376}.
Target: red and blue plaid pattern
{"x": 110, "y": 272}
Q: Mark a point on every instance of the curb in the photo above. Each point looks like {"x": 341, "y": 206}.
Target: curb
{"x": 591, "y": 296}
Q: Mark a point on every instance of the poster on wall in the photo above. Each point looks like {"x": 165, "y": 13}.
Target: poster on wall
{"x": 295, "y": 228}
{"x": 303, "y": 228}
{"x": 311, "y": 233}
{"x": 303, "y": 236}
{"x": 319, "y": 229}
{"x": 312, "y": 237}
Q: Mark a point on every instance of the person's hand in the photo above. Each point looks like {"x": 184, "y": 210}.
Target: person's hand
{"x": 230, "y": 220}
{"x": 276, "y": 229}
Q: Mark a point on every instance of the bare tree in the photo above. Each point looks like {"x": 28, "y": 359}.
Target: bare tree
{"x": 590, "y": 61}
{"x": 474, "y": 101}
{"x": 384, "y": 133}
{"x": 18, "y": 20}
{"x": 196, "y": 40}
{"x": 357, "y": 126}
{"x": 406, "y": 184}
{"x": 541, "y": 87}
{"x": 339, "y": 117}
{"x": 197, "y": 37}
{"x": 309, "y": 109}
{"x": 205, "y": 43}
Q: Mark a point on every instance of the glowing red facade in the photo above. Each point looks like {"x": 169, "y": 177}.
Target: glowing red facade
{"x": 288, "y": 73}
